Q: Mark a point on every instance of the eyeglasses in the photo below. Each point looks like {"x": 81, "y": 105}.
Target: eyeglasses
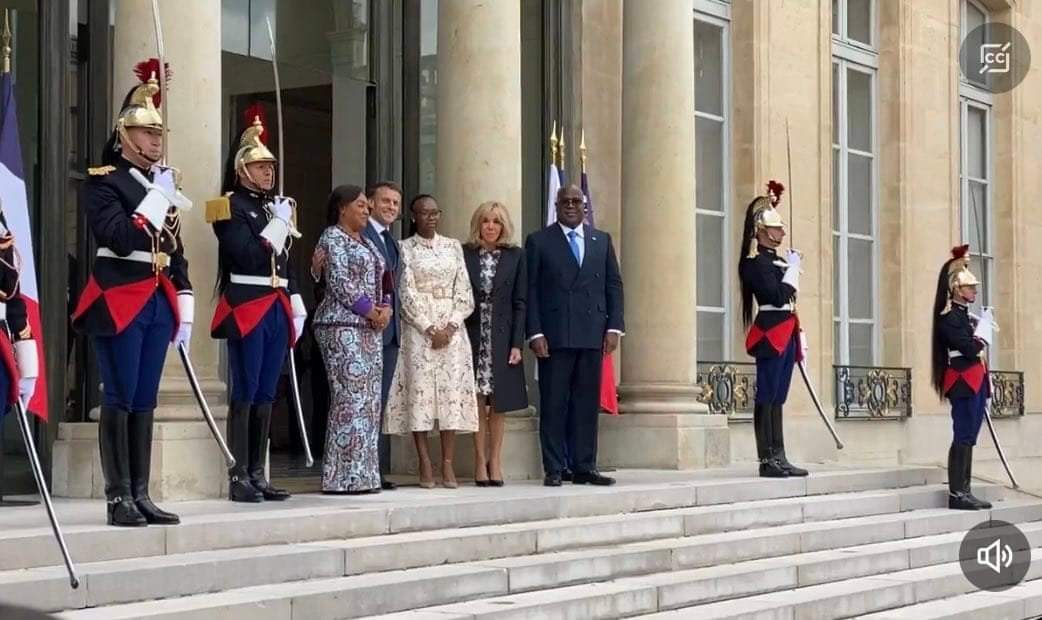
{"x": 570, "y": 201}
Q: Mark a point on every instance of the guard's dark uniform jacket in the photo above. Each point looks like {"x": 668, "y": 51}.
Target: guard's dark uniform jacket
{"x": 243, "y": 252}
{"x": 119, "y": 288}
{"x": 772, "y": 330}
{"x": 17, "y": 317}
{"x": 966, "y": 374}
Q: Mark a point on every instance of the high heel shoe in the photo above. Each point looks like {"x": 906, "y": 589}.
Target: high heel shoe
{"x": 448, "y": 476}
{"x": 426, "y": 482}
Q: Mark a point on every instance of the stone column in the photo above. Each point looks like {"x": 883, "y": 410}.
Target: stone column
{"x": 479, "y": 109}
{"x": 185, "y": 462}
{"x": 663, "y": 424}
{"x": 479, "y": 159}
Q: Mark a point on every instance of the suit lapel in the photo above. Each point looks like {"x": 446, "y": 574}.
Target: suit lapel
{"x": 506, "y": 258}
{"x": 569, "y": 267}
{"x": 592, "y": 243}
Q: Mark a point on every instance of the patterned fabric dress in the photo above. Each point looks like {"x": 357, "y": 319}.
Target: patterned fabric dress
{"x": 353, "y": 353}
{"x": 488, "y": 260}
{"x": 433, "y": 386}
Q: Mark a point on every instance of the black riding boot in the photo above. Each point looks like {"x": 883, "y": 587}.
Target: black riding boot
{"x": 260, "y": 424}
{"x": 769, "y": 466}
{"x": 239, "y": 487}
{"x": 968, "y": 477}
{"x": 958, "y": 483}
{"x": 115, "y": 465}
{"x": 778, "y": 443}
{"x": 140, "y": 433}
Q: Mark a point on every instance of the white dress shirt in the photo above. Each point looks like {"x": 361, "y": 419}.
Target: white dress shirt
{"x": 380, "y": 228}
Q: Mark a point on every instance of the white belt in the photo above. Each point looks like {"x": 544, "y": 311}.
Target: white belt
{"x": 259, "y": 281}
{"x": 954, "y": 354}
{"x": 785, "y": 308}
{"x": 138, "y": 256}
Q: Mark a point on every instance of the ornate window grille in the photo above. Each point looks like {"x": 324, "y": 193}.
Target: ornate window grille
{"x": 1007, "y": 393}
{"x": 728, "y": 388}
{"x": 873, "y": 392}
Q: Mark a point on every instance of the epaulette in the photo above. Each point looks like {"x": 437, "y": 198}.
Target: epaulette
{"x": 219, "y": 209}
{"x": 98, "y": 171}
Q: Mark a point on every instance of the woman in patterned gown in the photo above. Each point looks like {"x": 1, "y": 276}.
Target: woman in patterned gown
{"x": 497, "y": 331}
{"x": 348, "y": 323}
{"x": 434, "y": 381}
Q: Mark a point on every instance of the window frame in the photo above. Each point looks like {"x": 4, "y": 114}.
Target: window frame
{"x": 718, "y": 14}
{"x": 853, "y": 55}
{"x": 842, "y": 36}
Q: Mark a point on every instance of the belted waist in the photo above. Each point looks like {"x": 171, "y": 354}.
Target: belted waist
{"x": 269, "y": 281}
{"x": 438, "y": 292}
{"x": 160, "y": 259}
{"x": 952, "y": 354}
{"x": 769, "y": 308}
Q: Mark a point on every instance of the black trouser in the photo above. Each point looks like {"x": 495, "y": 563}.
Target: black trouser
{"x": 569, "y": 402}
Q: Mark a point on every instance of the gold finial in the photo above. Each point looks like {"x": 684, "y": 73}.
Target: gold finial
{"x": 561, "y": 145}
{"x": 5, "y": 43}
{"x": 582, "y": 150}
{"x": 553, "y": 144}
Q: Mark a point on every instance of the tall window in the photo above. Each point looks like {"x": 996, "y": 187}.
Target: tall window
{"x": 855, "y": 62}
{"x": 975, "y": 118}
{"x": 712, "y": 178}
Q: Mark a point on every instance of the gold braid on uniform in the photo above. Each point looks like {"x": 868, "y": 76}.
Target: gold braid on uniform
{"x": 16, "y": 267}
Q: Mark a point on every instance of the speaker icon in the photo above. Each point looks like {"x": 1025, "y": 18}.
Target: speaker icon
{"x": 995, "y": 556}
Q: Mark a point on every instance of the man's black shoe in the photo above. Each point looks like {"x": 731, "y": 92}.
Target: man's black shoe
{"x": 387, "y": 485}
{"x": 552, "y": 480}
{"x": 566, "y": 475}
{"x": 594, "y": 478}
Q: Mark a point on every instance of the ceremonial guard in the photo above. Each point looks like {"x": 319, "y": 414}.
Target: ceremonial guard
{"x": 138, "y": 299}
{"x": 959, "y": 372}
{"x": 260, "y": 312}
{"x": 20, "y": 366}
{"x": 774, "y": 337}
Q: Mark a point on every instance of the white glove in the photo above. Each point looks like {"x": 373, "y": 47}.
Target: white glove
{"x": 804, "y": 345}
{"x": 986, "y": 326}
{"x": 163, "y": 179}
{"x": 792, "y": 272}
{"x": 282, "y": 208}
{"x": 28, "y": 367}
{"x": 300, "y": 314}
{"x": 184, "y": 336}
{"x": 26, "y": 389}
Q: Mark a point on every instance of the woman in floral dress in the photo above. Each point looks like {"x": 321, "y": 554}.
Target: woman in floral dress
{"x": 348, "y": 323}
{"x": 497, "y": 332}
{"x": 433, "y": 383}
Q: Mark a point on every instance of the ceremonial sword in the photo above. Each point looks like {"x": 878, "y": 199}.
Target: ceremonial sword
{"x": 294, "y": 385}
{"x": 802, "y": 363}
{"x": 181, "y": 349}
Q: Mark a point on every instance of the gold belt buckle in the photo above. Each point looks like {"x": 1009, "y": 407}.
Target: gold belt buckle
{"x": 161, "y": 260}
{"x": 274, "y": 280}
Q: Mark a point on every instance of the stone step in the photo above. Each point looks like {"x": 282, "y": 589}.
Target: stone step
{"x": 1020, "y": 602}
{"x": 136, "y": 579}
{"x": 412, "y": 510}
{"x": 849, "y": 598}
{"x": 548, "y": 571}
{"x": 721, "y": 580}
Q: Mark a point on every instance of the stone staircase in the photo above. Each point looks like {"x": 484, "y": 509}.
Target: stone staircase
{"x": 710, "y": 544}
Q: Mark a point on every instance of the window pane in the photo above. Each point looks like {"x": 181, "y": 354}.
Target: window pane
{"x": 859, "y": 278}
{"x": 859, "y": 195}
{"x": 836, "y": 197}
{"x": 976, "y": 213}
{"x": 837, "y": 273}
{"x": 835, "y": 103}
{"x": 428, "y": 94}
{"x": 861, "y": 345}
{"x": 710, "y": 286}
{"x": 976, "y": 142}
{"x": 974, "y": 18}
{"x": 261, "y": 12}
{"x": 710, "y": 337}
{"x": 859, "y": 21}
{"x": 837, "y": 344}
{"x": 709, "y": 69}
{"x": 835, "y": 17}
{"x": 859, "y": 110}
{"x": 709, "y": 164}
{"x": 235, "y": 26}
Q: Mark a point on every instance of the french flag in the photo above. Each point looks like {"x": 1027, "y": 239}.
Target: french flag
{"x": 15, "y": 207}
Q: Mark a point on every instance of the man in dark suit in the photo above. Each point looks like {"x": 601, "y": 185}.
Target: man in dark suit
{"x": 385, "y": 203}
{"x": 574, "y": 319}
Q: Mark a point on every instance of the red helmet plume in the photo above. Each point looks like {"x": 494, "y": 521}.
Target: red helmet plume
{"x": 146, "y": 69}
{"x": 774, "y": 191}
{"x": 960, "y": 251}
